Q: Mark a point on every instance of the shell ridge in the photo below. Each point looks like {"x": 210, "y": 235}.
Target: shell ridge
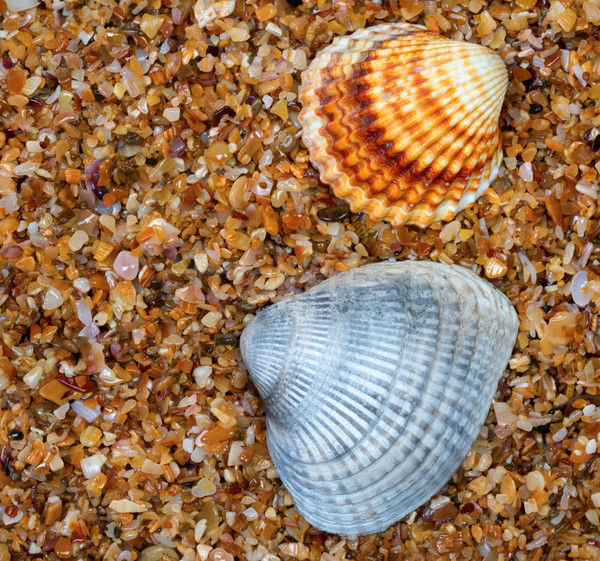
{"x": 342, "y": 192}
{"x": 421, "y": 213}
{"x": 412, "y": 405}
{"x": 414, "y": 421}
{"x": 488, "y": 175}
{"x": 355, "y": 135}
{"x": 418, "y": 436}
{"x": 419, "y": 112}
{"x": 435, "y": 208}
{"x": 398, "y": 159}
{"x": 322, "y": 360}
{"x": 411, "y": 399}
{"x": 360, "y": 374}
{"x": 313, "y": 298}
{"x": 444, "y": 175}
{"x": 417, "y": 487}
{"x": 372, "y": 479}
{"x": 434, "y": 198}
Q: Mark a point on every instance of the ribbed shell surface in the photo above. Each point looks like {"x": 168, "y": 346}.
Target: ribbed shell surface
{"x": 376, "y": 384}
{"x": 403, "y": 123}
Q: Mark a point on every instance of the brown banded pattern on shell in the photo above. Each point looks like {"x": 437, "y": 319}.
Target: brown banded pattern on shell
{"x": 403, "y": 123}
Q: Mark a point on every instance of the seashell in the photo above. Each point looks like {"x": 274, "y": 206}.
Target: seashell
{"x": 376, "y": 383}
{"x": 404, "y": 124}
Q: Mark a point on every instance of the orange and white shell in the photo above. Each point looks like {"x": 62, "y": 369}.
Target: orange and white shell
{"x": 403, "y": 123}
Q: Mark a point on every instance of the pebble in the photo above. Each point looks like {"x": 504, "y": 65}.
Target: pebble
{"x": 63, "y": 548}
{"x": 504, "y": 414}
{"x": 534, "y": 480}
{"x": 78, "y": 240}
{"x": 33, "y": 377}
{"x": 266, "y": 12}
{"x": 578, "y": 283}
{"x": 126, "y": 265}
{"x": 560, "y": 435}
{"x": 171, "y": 114}
{"x": 334, "y": 213}
{"x": 481, "y": 485}
{"x": 526, "y": 172}
{"x": 53, "y": 299}
{"x": 156, "y": 553}
{"x": 495, "y": 269}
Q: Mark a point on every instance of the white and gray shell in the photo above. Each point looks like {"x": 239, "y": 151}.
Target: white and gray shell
{"x": 376, "y": 384}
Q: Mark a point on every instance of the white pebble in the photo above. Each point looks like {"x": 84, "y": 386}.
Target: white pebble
{"x": 92, "y": 465}
{"x": 590, "y": 447}
{"x": 250, "y": 514}
{"x": 273, "y": 29}
{"x": 560, "y": 435}
{"x": 211, "y": 319}
{"x": 299, "y": 59}
{"x": 61, "y": 412}
{"x": 6, "y": 519}
{"x": 188, "y": 445}
{"x": 202, "y": 375}
{"x": 33, "y": 377}
{"x": 199, "y": 529}
{"x": 82, "y": 284}
{"x": 438, "y": 502}
{"x": 578, "y": 284}
{"x": 589, "y": 409}
{"x": 171, "y": 114}
{"x": 534, "y": 480}
{"x": 126, "y": 265}
{"x": 53, "y": 299}
{"x": 524, "y": 425}
{"x": 526, "y": 172}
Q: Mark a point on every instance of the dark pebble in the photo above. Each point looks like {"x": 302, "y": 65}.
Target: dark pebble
{"x": 530, "y": 83}
{"x": 127, "y": 174}
{"x": 130, "y": 28}
{"x": 132, "y": 139}
{"x": 65, "y": 216}
{"x": 184, "y": 73}
{"x": 543, "y": 429}
{"x": 207, "y": 79}
{"x": 99, "y": 191}
{"x": 226, "y": 339}
{"x": 220, "y": 113}
{"x": 42, "y": 94}
{"x": 594, "y": 142}
{"x": 334, "y": 213}
{"x": 15, "y": 435}
{"x": 245, "y": 306}
{"x": 35, "y": 104}
{"x": 157, "y": 299}
{"x": 535, "y": 108}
